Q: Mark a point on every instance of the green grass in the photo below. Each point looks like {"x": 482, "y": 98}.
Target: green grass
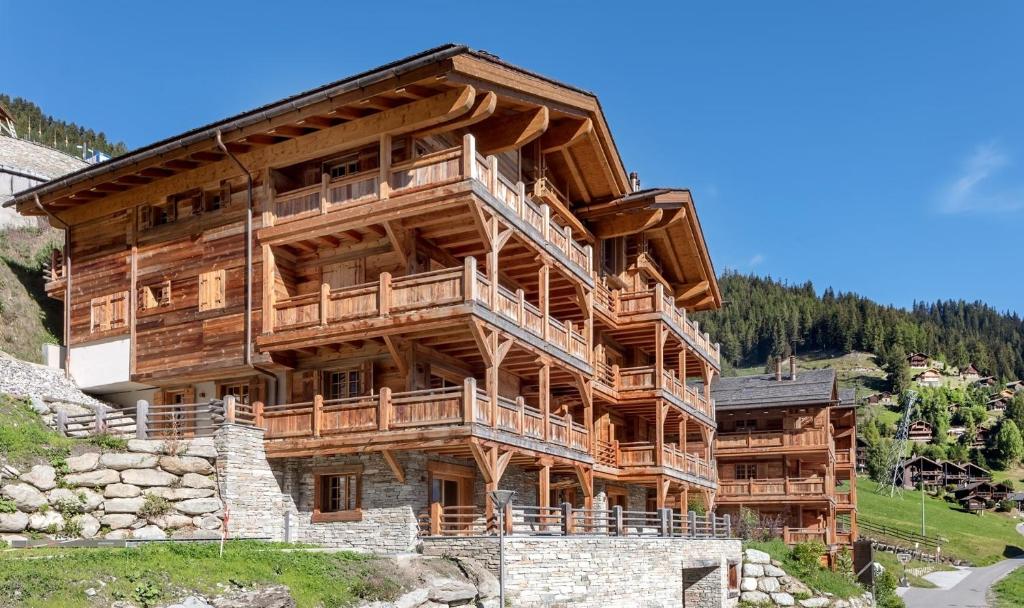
{"x": 916, "y": 579}
{"x": 1009, "y": 592}
{"x": 24, "y": 438}
{"x": 28, "y": 317}
{"x": 157, "y": 574}
{"x": 978, "y": 539}
{"x": 817, "y": 578}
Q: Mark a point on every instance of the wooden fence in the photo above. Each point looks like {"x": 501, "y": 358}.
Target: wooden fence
{"x": 165, "y": 421}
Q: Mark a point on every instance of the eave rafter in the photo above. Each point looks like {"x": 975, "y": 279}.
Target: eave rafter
{"x": 502, "y": 133}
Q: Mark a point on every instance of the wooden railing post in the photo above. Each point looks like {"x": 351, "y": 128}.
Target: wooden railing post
{"x": 435, "y": 519}
{"x": 325, "y": 181}
{"x": 545, "y": 218}
{"x": 229, "y": 409}
{"x": 384, "y": 411}
{"x": 521, "y": 194}
{"x": 317, "y": 414}
{"x": 469, "y": 156}
{"x": 666, "y": 522}
{"x": 384, "y": 295}
{"x": 469, "y": 400}
{"x": 588, "y": 251}
{"x": 141, "y": 419}
{"x": 101, "y": 419}
{"x": 325, "y": 295}
{"x": 617, "y": 521}
{"x": 521, "y": 307}
{"x": 469, "y": 280}
{"x": 568, "y": 429}
{"x": 492, "y": 183}
{"x": 617, "y": 459}
{"x": 521, "y": 407}
{"x": 728, "y": 526}
{"x": 257, "y": 414}
{"x": 691, "y": 524}
{"x": 62, "y": 422}
{"x": 567, "y": 523}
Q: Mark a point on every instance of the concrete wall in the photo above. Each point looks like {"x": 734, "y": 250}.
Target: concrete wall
{"x": 582, "y": 571}
{"x": 102, "y": 366}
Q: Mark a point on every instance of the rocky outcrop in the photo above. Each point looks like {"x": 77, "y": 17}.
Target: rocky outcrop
{"x": 765, "y": 583}
{"x": 153, "y": 490}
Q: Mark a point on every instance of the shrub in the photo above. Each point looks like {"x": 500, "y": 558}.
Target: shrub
{"x": 7, "y": 506}
{"x": 72, "y": 528}
{"x": 106, "y": 441}
{"x": 753, "y": 525}
{"x": 1007, "y": 506}
{"x": 154, "y": 506}
{"x": 885, "y": 591}
{"x": 808, "y": 555}
{"x": 69, "y": 507}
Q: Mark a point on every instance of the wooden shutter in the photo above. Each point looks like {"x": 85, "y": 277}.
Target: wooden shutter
{"x": 303, "y": 385}
{"x": 145, "y": 217}
{"x": 211, "y": 290}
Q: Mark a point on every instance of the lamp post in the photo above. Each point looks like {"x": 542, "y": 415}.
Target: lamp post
{"x": 501, "y": 499}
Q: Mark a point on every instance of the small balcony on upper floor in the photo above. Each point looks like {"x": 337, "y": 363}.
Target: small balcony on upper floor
{"x": 446, "y": 196}
{"x": 414, "y": 303}
{"x": 622, "y": 384}
{"x": 623, "y": 309}
{"x": 783, "y": 489}
{"x": 774, "y": 441}
{"x": 640, "y": 459}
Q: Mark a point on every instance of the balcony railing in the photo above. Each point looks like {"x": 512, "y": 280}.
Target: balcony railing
{"x": 792, "y": 536}
{"x": 432, "y": 170}
{"x": 844, "y": 499}
{"x": 802, "y": 438}
{"x": 843, "y": 456}
{"x": 421, "y": 409}
{"x": 625, "y": 304}
{"x": 429, "y": 290}
{"x": 642, "y": 454}
{"x": 623, "y": 380}
{"x": 781, "y": 487}
{"x": 53, "y": 271}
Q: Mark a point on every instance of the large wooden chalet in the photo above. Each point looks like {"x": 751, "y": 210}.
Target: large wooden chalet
{"x": 425, "y": 281}
{"x": 786, "y": 449}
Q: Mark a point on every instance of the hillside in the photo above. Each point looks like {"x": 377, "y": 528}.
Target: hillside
{"x": 62, "y": 135}
{"x": 28, "y": 318}
{"x": 765, "y": 317}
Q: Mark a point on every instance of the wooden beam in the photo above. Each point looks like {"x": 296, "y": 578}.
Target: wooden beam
{"x": 393, "y": 346}
{"x": 502, "y": 133}
{"x": 482, "y": 462}
{"x": 482, "y": 109}
{"x": 482, "y": 338}
{"x": 564, "y": 133}
{"x": 396, "y": 467}
{"x": 400, "y": 240}
{"x": 577, "y": 177}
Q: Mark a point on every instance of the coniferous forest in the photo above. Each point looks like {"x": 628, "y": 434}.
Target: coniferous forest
{"x": 62, "y": 135}
{"x": 764, "y": 318}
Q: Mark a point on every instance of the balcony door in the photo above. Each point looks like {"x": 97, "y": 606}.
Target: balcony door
{"x": 344, "y": 274}
{"x": 451, "y": 487}
{"x": 174, "y": 413}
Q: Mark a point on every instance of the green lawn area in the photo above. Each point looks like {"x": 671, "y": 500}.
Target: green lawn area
{"x": 978, "y": 539}
{"x": 156, "y": 574}
{"x": 1016, "y": 475}
{"x": 24, "y": 438}
{"x": 1009, "y": 592}
{"x": 915, "y": 569}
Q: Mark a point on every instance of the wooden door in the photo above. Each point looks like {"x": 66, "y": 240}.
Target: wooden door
{"x": 175, "y": 413}
{"x": 343, "y": 274}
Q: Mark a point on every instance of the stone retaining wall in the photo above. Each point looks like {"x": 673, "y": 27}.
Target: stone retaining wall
{"x": 602, "y": 571}
{"x": 153, "y": 490}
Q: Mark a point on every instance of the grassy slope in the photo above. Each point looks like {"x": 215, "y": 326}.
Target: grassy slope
{"x": 157, "y": 573}
{"x": 979, "y": 539}
{"x": 24, "y": 439}
{"x": 817, "y": 578}
{"x": 855, "y": 369}
{"x": 28, "y": 318}
{"x": 1009, "y": 592}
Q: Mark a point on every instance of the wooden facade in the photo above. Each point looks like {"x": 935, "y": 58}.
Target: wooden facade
{"x": 787, "y": 452}
{"x": 444, "y": 256}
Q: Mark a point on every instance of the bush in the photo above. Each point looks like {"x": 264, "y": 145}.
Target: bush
{"x": 885, "y": 591}
{"x": 808, "y": 555}
{"x": 7, "y": 506}
{"x": 154, "y": 506}
{"x": 69, "y": 507}
{"x": 72, "y": 528}
{"x": 753, "y": 525}
{"x": 106, "y": 441}
{"x": 1007, "y": 506}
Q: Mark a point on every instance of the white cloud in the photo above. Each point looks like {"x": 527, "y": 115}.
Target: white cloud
{"x": 978, "y": 188}
{"x": 756, "y": 260}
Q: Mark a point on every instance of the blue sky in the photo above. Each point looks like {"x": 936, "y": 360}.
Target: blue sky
{"x": 872, "y": 146}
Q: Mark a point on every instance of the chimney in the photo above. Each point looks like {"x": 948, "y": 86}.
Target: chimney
{"x": 778, "y": 370}
{"x": 792, "y": 367}
{"x": 634, "y": 181}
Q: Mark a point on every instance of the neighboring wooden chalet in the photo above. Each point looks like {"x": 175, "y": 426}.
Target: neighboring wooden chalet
{"x": 986, "y": 490}
{"x": 930, "y": 377}
{"x": 922, "y": 470}
{"x": 969, "y": 373}
{"x": 883, "y": 397}
{"x": 919, "y": 360}
{"x": 997, "y": 403}
{"x": 425, "y": 281}
{"x": 1015, "y": 387}
{"x": 786, "y": 448}
{"x": 986, "y": 381}
{"x": 920, "y": 432}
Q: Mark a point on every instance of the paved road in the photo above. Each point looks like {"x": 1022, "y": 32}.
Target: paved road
{"x": 971, "y": 592}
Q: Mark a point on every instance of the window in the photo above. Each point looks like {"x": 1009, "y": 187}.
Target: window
{"x": 108, "y": 312}
{"x": 211, "y": 290}
{"x": 238, "y": 390}
{"x": 338, "y": 494}
{"x": 339, "y": 384}
{"x": 613, "y": 255}
{"x": 746, "y": 471}
{"x": 342, "y": 167}
{"x": 744, "y": 426}
{"x": 152, "y": 296}
{"x": 164, "y": 213}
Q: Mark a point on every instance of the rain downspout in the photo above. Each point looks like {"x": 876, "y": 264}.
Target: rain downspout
{"x": 67, "y": 284}
{"x": 248, "y": 249}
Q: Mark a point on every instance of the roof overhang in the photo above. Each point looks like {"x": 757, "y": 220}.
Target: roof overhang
{"x": 668, "y": 218}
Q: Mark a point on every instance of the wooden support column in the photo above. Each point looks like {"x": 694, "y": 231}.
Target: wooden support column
{"x": 492, "y": 464}
{"x": 682, "y": 364}
{"x": 663, "y": 484}
{"x": 659, "y": 432}
{"x": 544, "y": 488}
{"x": 683, "y": 423}
{"x": 684, "y": 499}
{"x": 269, "y": 295}
{"x": 544, "y": 298}
{"x": 384, "y": 179}
{"x": 659, "y": 354}
{"x": 544, "y": 397}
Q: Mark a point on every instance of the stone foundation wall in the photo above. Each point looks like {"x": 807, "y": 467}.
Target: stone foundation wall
{"x": 604, "y": 572}
{"x": 256, "y": 506}
{"x": 152, "y": 490}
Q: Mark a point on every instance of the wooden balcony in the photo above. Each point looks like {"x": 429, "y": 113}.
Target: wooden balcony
{"x": 844, "y": 458}
{"x": 393, "y": 419}
{"x": 639, "y": 383}
{"x": 54, "y": 273}
{"x": 357, "y": 197}
{"x": 792, "y": 536}
{"x": 845, "y": 500}
{"x": 623, "y": 307}
{"x": 439, "y": 295}
{"x": 802, "y": 440}
{"x": 639, "y": 458}
{"x": 786, "y": 489}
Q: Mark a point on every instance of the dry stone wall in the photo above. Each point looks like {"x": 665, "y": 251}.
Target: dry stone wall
{"x": 765, "y": 583}
{"x": 152, "y": 490}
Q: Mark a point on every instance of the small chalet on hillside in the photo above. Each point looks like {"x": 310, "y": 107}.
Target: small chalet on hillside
{"x": 930, "y": 377}
{"x": 922, "y": 470}
{"x": 920, "y": 432}
{"x": 969, "y": 373}
{"x": 919, "y": 360}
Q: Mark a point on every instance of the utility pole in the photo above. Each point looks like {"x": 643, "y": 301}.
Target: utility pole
{"x": 922, "y": 507}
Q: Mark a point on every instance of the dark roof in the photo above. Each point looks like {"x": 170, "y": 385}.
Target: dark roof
{"x": 907, "y": 463}
{"x": 848, "y": 397}
{"x": 811, "y": 387}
